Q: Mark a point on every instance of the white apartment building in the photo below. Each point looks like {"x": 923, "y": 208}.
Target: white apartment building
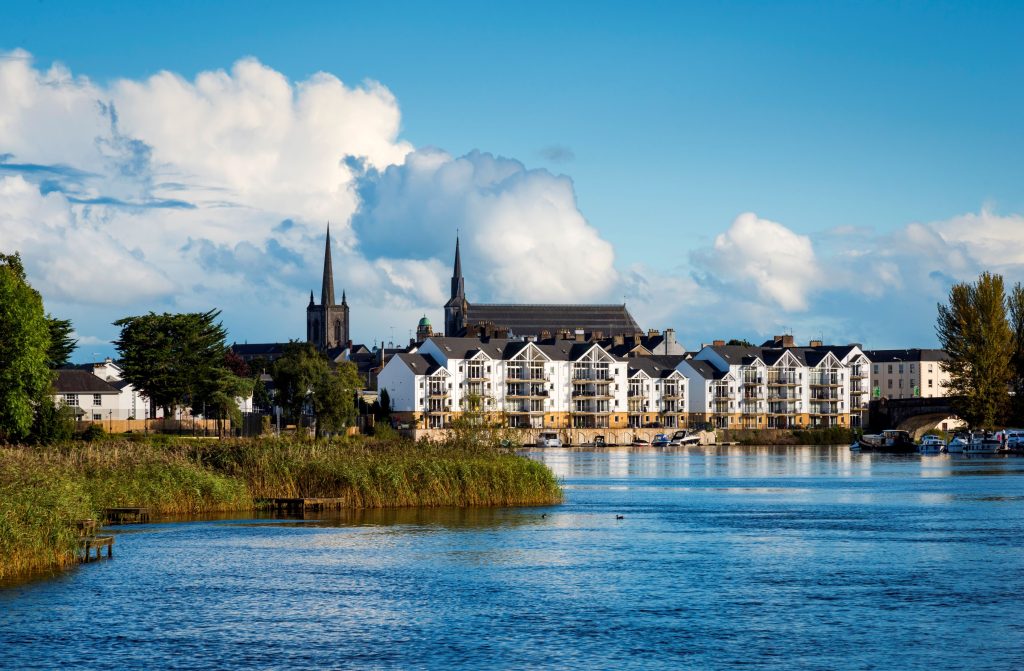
{"x": 552, "y": 384}
{"x": 776, "y": 386}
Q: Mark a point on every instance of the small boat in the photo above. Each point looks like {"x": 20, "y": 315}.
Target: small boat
{"x": 681, "y": 438}
{"x": 639, "y": 442}
{"x": 931, "y": 444}
{"x": 982, "y": 444}
{"x": 660, "y": 440}
{"x": 1013, "y": 441}
{"x": 892, "y": 441}
{"x": 957, "y": 445}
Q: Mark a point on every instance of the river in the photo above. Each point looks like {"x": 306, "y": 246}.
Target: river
{"x": 761, "y": 558}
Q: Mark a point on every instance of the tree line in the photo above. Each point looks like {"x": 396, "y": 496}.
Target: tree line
{"x": 981, "y": 327}
{"x": 178, "y": 361}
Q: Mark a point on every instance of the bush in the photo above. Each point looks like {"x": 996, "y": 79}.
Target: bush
{"x": 93, "y": 432}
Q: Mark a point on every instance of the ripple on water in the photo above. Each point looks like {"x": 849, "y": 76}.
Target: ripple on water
{"x": 770, "y": 559}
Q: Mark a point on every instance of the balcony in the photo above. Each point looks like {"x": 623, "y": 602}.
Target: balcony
{"x": 825, "y": 381}
{"x": 520, "y": 376}
{"x": 783, "y": 380}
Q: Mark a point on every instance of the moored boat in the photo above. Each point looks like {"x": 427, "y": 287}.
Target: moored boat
{"x": 982, "y": 444}
{"x": 892, "y": 441}
{"x": 956, "y": 445}
{"x": 931, "y": 444}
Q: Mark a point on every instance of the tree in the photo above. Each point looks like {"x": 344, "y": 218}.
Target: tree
{"x": 334, "y": 398}
{"x": 304, "y": 380}
{"x": 175, "y": 359}
{"x": 62, "y": 345}
{"x": 737, "y": 341}
{"x": 25, "y": 377}
{"x": 974, "y": 331}
{"x": 1016, "y": 313}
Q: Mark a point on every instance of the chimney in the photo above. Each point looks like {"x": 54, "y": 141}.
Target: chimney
{"x": 579, "y": 335}
{"x": 501, "y": 333}
{"x": 565, "y": 334}
{"x": 670, "y": 336}
{"x": 637, "y": 337}
{"x": 788, "y": 341}
{"x": 653, "y": 333}
{"x": 597, "y": 335}
{"x": 545, "y": 334}
{"x": 815, "y": 343}
{"x": 619, "y": 340}
{"x": 718, "y": 343}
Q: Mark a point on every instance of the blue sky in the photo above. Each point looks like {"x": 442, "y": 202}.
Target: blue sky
{"x": 670, "y": 119}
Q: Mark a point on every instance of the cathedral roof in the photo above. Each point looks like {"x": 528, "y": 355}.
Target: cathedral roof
{"x": 523, "y": 320}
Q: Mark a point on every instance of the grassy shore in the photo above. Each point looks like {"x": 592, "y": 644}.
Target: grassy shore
{"x": 45, "y": 490}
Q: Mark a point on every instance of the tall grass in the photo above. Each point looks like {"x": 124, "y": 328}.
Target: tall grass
{"x": 45, "y": 490}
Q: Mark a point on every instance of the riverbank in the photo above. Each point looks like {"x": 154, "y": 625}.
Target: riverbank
{"x": 832, "y": 436}
{"x": 45, "y": 490}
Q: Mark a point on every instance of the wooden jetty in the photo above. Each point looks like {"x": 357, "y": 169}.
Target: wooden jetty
{"x": 89, "y": 541}
{"x": 298, "y": 505}
{"x": 128, "y": 515}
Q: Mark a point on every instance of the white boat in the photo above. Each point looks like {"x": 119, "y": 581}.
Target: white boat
{"x": 957, "y": 445}
{"x": 982, "y": 444}
{"x": 931, "y": 444}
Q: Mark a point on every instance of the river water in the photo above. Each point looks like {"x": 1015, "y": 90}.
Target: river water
{"x": 762, "y": 558}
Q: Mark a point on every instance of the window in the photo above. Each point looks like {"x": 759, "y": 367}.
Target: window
{"x": 911, "y": 369}
{"x": 71, "y": 399}
{"x": 901, "y": 383}
{"x": 97, "y": 417}
{"x": 97, "y": 399}
{"x": 930, "y": 383}
{"x": 930, "y": 371}
{"x": 890, "y": 383}
{"x": 890, "y": 369}
{"x": 876, "y": 369}
{"x": 901, "y": 369}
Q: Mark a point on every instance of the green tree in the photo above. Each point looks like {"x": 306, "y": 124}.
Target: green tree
{"x": 62, "y": 345}
{"x": 303, "y": 380}
{"x": 743, "y": 343}
{"x": 294, "y": 374}
{"x": 175, "y": 359}
{"x": 973, "y": 329}
{"x": 25, "y": 377}
{"x": 334, "y": 398}
{"x": 1016, "y": 314}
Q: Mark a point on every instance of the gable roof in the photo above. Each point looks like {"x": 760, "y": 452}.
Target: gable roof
{"x": 420, "y": 364}
{"x": 651, "y": 367}
{"x": 81, "y": 382}
{"x": 525, "y": 320}
{"x": 705, "y": 369}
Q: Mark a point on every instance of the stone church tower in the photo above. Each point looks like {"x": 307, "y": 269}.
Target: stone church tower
{"x": 456, "y": 309}
{"x": 327, "y": 323}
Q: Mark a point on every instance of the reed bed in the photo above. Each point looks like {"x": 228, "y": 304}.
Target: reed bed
{"x": 45, "y": 490}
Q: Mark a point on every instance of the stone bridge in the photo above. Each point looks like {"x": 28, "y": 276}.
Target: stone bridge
{"x": 916, "y": 415}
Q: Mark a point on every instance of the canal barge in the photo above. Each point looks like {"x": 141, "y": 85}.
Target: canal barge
{"x": 891, "y": 441}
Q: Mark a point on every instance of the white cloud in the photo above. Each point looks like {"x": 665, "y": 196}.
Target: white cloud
{"x": 523, "y": 237}
{"x": 170, "y": 193}
{"x": 762, "y": 257}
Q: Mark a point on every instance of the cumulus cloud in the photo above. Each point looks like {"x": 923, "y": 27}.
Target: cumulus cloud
{"x": 524, "y": 238}
{"x": 175, "y": 193}
{"x": 762, "y": 257}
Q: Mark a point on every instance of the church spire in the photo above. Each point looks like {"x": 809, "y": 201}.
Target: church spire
{"x": 327, "y": 291}
{"x": 458, "y": 283}
{"x": 344, "y": 301}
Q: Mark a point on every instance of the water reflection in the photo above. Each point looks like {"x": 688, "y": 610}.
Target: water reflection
{"x": 805, "y": 461}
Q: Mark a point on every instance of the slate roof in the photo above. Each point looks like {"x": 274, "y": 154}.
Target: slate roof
{"x": 267, "y": 350}
{"x": 526, "y": 320}
{"x": 71, "y": 381}
{"x": 649, "y": 366}
{"x": 901, "y": 355}
{"x": 504, "y": 348}
{"x": 419, "y": 364}
{"x": 706, "y": 370}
